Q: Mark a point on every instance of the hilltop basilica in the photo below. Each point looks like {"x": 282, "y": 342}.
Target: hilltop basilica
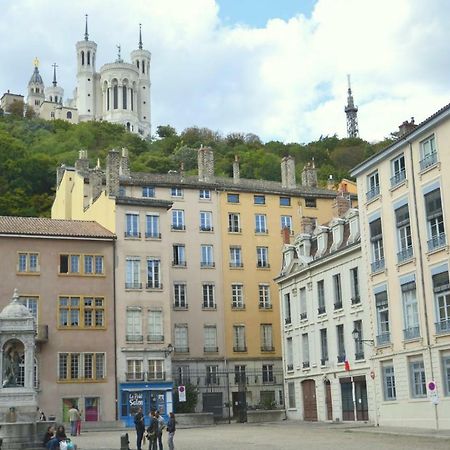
{"x": 119, "y": 92}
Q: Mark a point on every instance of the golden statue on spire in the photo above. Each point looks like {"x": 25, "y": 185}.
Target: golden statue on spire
{"x": 36, "y": 62}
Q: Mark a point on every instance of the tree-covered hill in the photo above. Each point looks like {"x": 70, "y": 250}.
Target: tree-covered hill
{"x": 31, "y": 149}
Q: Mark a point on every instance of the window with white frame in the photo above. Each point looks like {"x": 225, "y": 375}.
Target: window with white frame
{"x": 234, "y": 223}
{"x": 152, "y": 226}
{"x": 337, "y": 291}
{"x": 206, "y": 221}
{"x": 210, "y": 339}
{"x": 428, "y": 153}
{"x": 81, "y": 367}
{"x": 267, "y": 373}
{"x": 435, "y": 219}
{"x": 266, "y": 337}
{"x": 182, "y": 375}
{"x": 441, "y": 289}
{"x": 289, "y": 354}
{"x": 212, "y": 374}
{"x": 93, "y": 264}
{"x": 305, "y": 350}
{"x": 398, "y": 170}
{"x": 264, "y": 296}
{"x": 28, "y": 262}
{"x": 235, "y": 256}
{"x": 132, "y": 225}
{"x": 154, "y": 273}
{"x": 389, "y": 390}
{"x": 179, "y": 296}
{"x": 178, "y": 220}
{"x": 287, "y": 308}
{"x": 303, "y": 307}
{"x": 181, "y": 338}
{"x": 260, "y": 223}
{"x": 286, "y": 222}
{"x": 69, "y": 264}
{"x": 354, "y": 285}
{"x": 404, "y": 239}
{"x": 321, "y": 305}
{"x": 31, "y": 302}
{"x": 373, "y": 185}
{"x": 135, "y": 370}
{"x": 133, "y": 273}
{"x": 239, "y": 374}
{"x": 323, "y": 346}
{"x": 148, "y": 191}
{"x": 179, "y": 255}
{"x": 359, "y": 344}
{"x": 340, "y": 343}
{"x": 155, "y": 369}
{"x": 207, "y": 256}
{"x": 239, "y": 343}
{"x": 262, "y": 257}
{"x": 417, "y": 377}
{"x": 259, "y": 199}
{"x": 291, "y": 394}
{"x": 204, "y": 194}
{"x": 382, "y": 311}
{"x": 376, "y": 241}
{"x": 410, "y": 311}
{"x": 176, "y": 192}
{"x": 208, "y": 296}
{"x": 445, "y": 357}
{"x": 134, "y": 325}
{"x": 237, "y": 296}
{"x": 155, "y": 326}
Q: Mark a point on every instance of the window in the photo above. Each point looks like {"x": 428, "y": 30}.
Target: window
{"x": 285, "y": 201}
{"x": 134, "y": 325}
{"x": 321, "y": 297}
{"x": 179, "y": 255}
{"x": 179, "y": 296}
{"x": 181, "y": 338}
{"x": 69, "y": 264}
{"x": 435, "y": 220}
{"x": 389, "y": 381}
{"x": 207, "y": 256}
{"x": 233, "y": 198}
{"x": 208, "y": 296}
{"x": 260, "y": 223}
{"x": 148, "y": 191}
{"x": 417, "y": 378}
{"x": 152, "y": 226}
{"x": 236, "y": 257}
{"x": 310, "y": 203}
{"x": 267, "y": 373}
{"x": 382, "y": 309}
{"x": 441, "y": 288}
{"x": 212, "y": 373}
{"x": 155, "y": 326}
{"x": 262, "y": 257}
{"x": 287, "y": 309}
{"x": 154, "y": 273}
{"x": 376, "y": 240}
{"x": 398, "y": 170}
{"x": 264, "y": 296}
{"x": 337, "y": 291}
{"x": 135, "y": 370}
{"x": 373, "y": 186}
{"x": 176, "y": 192}
{"x": 289, "y": 354}
{"x": 404, "y": 238}
{"x": 428, "y": 152}
{"x": 305, "y": 351}
{"x": 206, "y": 221}
{"x": 93, "y": 264}
{"x": 156, "y": 369}
{"x": 28, "y": 263}
{"x": 259, "y": 199}
{"x": 178, "y": 220}
{"x": 359, "y": 344}
{"x": 354, "y": 285}
{"x": 132, "y": 225}
{"x": 340, "y": 343}
{"x": 69, "y": 115}
{"x": 205, "y": 194}
{"x": 237, "y": 296}
{"x": 286, "y": 222}
{"x": 303, "y": 309}
{"x": 239, "y": 344}
{"x": 291, "y": 394}
{"x": 210, "y": 339}
{"x": 234, "y": 223}
{"x": 124, "y": 96}
{"x": 266, "y": 337}
{"x": 182, "y": 375}
{"x": 79, "y": 367}
{"x": 323, "y": 346}
{"x": 239, "y": 374}
{"x": 81, "y": 312}
{"x": 410, "y": 311}
{"x": 32, "y": 304}
{"x": 133, "y": 273}
{"x": 446, "y": 374}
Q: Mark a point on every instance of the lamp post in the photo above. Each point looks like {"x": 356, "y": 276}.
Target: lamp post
{"x": 356, "y": 334}
{"x": 168, "y": 350}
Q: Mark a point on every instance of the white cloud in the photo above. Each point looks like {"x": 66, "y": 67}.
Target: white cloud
{"x": 285, "y": 81}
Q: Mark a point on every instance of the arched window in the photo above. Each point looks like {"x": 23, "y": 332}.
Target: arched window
{"x": 143, "y": 66}
{"x": 69, "y": 114}
{"x": 131, "y": 99}
{"x": 128, "y": 126}
{"x": 37, "y": 90}
{"x": 82, "y": 58}
{"x": 56, "y": 99}
{"x": 115, "y": 97}
{"x": 88, "y": 58}
{"x": 124, "y": 97}
{"x": 51, "y": 98}
{"x": 108, "y": 93}
{"x": 137, "y": 64}
{"x": 32, "y": 90}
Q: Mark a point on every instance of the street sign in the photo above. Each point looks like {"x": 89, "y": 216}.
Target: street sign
{"x": 182, "y": 393}
{"x": 431, "y": 386}
{"x": 432, "y": 392}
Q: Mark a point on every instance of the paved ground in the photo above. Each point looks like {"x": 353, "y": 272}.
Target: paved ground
{"x": 288, "y": 435}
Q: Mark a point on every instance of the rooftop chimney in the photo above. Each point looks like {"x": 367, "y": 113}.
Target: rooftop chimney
{"x": 309, "y": 175}
{"x": 124, "y": 163}
{"x": 95, "y": 184}
{"x": 286, "y": 232}
{"x": 236, "y": 172}
{"x": 307, "y": 224}
{"x": 205, "y": 164}
{"x": 330, "y": 183}
{"x": 341, "y": 204}
{"x": 113, "y": 173}
{"x": 406, "y": 127}
{"x": 288, "y": 172}
{"x": 82, "y": 163}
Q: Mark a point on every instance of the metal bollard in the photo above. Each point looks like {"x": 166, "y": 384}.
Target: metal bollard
{"x": 124, "y": 442}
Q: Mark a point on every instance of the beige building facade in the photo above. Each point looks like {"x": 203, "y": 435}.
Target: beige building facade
{"x": 403, "y": 200}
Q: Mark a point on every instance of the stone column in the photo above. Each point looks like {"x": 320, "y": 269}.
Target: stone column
{"x": 119, "y": 96}
{"x": 29, "y": 365}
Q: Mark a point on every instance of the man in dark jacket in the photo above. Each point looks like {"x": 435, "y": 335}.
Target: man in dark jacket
{"x": 152, "y": 432}
{"x": 140, "y": 428}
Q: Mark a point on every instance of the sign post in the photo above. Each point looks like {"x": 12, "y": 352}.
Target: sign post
{"x": 182, "y": 393}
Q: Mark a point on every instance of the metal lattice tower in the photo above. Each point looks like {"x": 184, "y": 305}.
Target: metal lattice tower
{"x": 351, "y": 112}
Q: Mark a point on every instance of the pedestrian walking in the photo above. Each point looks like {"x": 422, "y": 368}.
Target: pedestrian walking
{"x": 171, "y": 431}
{"x": 161, "y": 426}
{"x": 74, "y": 416}
{"x": 140, "y": 428}
{"x": 152, "y": 432}
{"x": 78, "y": 427}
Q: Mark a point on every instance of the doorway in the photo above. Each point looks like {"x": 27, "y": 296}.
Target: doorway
{"x": 328, "y": 400}
{"x": 309, "y": 400}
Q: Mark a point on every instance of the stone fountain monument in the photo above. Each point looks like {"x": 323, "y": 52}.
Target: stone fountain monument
{"x": 18, "y": 403}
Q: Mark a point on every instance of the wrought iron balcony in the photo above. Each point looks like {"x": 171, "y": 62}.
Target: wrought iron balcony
{"x": 384, "y": 338}
{"x": 372, "y": 193}
{"x": 411, "y": 333}
{"x": 155, "y": 338}
{"x": 178, "y": 263}
{"x": 405, "y": 254}
{"x": 305, "y": 364}
{"x": 356, "y": 300}
{"x": 234, "y": 230}
{"x": 181, "y": 349}
{"x": 321, "y": 310}
{"x": 153, "y": 376}
{"x": 290, "y": 367}
{"x": 436, "y": 242}
{"x": 210, "y": 349}
{"x": 154, "y": 285}
{"x": 178, "y": 227}
{"x": 133, "y": 285}
{"x": 236, "y": 264}
{"x": 263, "y": 305}
{"x": 341, "y": 358}
{"x": 428, "y": 161}
{"x": 132, "y": 234}
{"x": 359, "y": 356}
{"x": 338, "y": 305}
{"x": 323, "y": 361}
{"x": 262, "y": 265}
{"x": 287, "y": 321}
{"x": 377, "y": 266}
{"x": 267, "y": 348}
{"x": 398, "y": 178}
{"x": 303, "y": 316}
{"x": 206, "y": 228}
{"x": 240, "y": 348}
{"x": 153, "y": 235}
{"x": 443, "y": 326}
{"x": 207, "y": 264}
{"x": 134, "y": 376}
{"x": 134, "y": 338}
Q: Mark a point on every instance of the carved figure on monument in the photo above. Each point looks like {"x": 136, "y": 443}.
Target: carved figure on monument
{"x": 11, "y": 367}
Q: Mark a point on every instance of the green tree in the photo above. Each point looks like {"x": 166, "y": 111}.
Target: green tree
{"x": 191, "y": 399}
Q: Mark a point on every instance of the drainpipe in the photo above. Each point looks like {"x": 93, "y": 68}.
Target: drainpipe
{"x": 115, "y": 331}
{"x": 422, "y": 279}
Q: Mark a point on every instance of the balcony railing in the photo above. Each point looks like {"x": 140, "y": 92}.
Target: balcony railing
{"x": 305, "y": 364}
{"x": 240, "y": 348}
{"x": 134, "y": 338}
{"x": 234, "y": 230}
{"x": 206, "y": 228}
{"x": 338, "y": 305}
{"x": 42, "y": 333}
{"x": 428, "y": 161}
{"x": 178, "y": 227}
{"x": 411, "y": 333}
{"x": 154, "y": 285}
{"x": 323, "y": 361}
{"x": 398, "y": 178}
{"x": 267, "y": 348}
{"x": 372, "y": 193}
{"x": 443, "y": 326}
{"x": 240, "y": 305}
{"x": 181, "y": 349}
{"x": 321, "y": 310}
{"x": 133, "y": 285}
{"x": 209, "y": 306}
{"x": 236, "y": 264}
{"x": 290, "y": 367}
{"x": 356, "y": 300}
{"x": 377, "y": 266}
{"x": 359, "y": 356}
{"x": 303, "y": 316}
{"x": 384, "y": 338}
{"x": 155, "y": 338}
{"x": 405, "y": 254}
{"x": 178, "y": 305}
{"x": 261, "y": 231}
{"x": 263, "y": 305}
{"x": 134, "y": 376}
{"x": 153, "y": 235}
{"x": 287, "y": 321}
{"x": 436, "y": 242}
{"x": 132, "y": 234}
{"x": 207, "y": 264}
{"x": 210, "y": 349}
{"x": 178, "y": 263}
{"x": 153, "y": 376}
{"x": 341, "y": 358}
{"x": 262, "y": 265}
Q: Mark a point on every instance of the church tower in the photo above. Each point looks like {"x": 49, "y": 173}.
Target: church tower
{"x": 35, "y": 89}
{"x": 86, "y": 92}
{"x": 351, "y": 112}
{"x": 54, "y": 93}
{"x": 141, "y": 59}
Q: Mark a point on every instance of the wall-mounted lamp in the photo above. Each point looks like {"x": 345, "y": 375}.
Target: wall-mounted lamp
{"x": 167, "y": 351}
{"x": 356, "y": 334}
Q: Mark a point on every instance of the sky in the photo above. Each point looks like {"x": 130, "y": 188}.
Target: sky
{"x": 275, "y": 68}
